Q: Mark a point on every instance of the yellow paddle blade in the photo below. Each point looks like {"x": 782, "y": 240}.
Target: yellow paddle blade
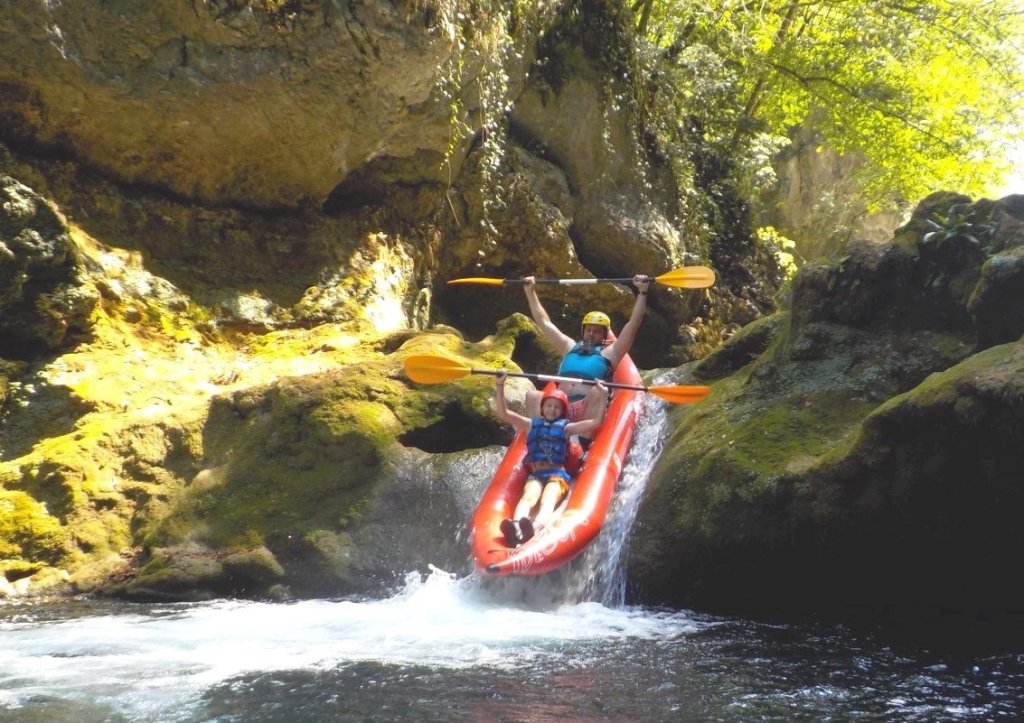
{"x": 680, "y": 394}
{"x": 688, "y": 277}
{"x": 428, "y": 369}
{"x": 478, "y": 280}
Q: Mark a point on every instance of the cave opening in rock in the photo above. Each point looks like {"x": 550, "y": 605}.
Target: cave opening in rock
{"x": 456, "y": 431}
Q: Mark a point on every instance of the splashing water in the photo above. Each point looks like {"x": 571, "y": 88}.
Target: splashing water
{"x": 152, "y": 663}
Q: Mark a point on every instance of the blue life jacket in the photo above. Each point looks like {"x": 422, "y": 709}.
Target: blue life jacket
{"x": 546, "y": 441}
{"x": 586, "y": 362}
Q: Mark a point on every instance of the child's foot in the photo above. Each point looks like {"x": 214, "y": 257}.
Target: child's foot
{"x": 527, "y": 529}
{"x": 508, "y": 529}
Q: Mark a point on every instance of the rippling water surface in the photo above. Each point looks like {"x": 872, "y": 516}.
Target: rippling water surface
{"x": 447, "y": 649}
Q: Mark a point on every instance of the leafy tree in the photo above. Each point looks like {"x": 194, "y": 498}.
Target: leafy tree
{"x": 928, "y": 91}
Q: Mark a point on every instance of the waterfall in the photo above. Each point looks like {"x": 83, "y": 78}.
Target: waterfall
{"x": 601, "y": 573}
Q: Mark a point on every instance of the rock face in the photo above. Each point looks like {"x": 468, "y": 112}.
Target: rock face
{"x": 240, "y": 103}
{"x": 860, "y": 450}
{"x": 44, "y": 301}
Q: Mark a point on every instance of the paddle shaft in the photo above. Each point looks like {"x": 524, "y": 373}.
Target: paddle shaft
{"x": 555, "y": 378}
{"x": 573, "y": 282}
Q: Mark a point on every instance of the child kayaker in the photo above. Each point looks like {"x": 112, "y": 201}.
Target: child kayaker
{"x": 547, "y": 449}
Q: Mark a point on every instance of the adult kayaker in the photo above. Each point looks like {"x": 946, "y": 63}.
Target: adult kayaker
{"x": 547, "y": 452}
{"x": 592, "y": 357}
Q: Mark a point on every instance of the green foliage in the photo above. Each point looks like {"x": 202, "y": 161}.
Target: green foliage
{"x": 929, "y": 92}
{"x": 485, "y": 40}
{"x": 782, "y": 248}
{"x": 958, "y": 222}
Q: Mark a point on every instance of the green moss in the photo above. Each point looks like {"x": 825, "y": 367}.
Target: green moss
{"x": 791, "y": 431}
{"x": 179, "y": 572}
{"x": 728, "y": 467}
{"x": 27, "y": 530}
{"x": 308, "y": 462}
{"x": 973, "y": 391}
{"x": 257, "y": 566}
{"x": 97, "y": 533}
{"x": 333, "y": 549}
{"x": 745, "y": 346}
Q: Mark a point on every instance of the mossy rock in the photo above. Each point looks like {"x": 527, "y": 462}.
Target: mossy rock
{"x": 742, "y": 348}
{"x": 294, "y": 469}
{"x": 257, "y": 566}
{"x": 810, "y": 501}
{"x": 186, "y": 572}
{"x": 28, "y": 532}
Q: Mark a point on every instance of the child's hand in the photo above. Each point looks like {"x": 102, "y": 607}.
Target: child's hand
{"x": 499, "y": 377}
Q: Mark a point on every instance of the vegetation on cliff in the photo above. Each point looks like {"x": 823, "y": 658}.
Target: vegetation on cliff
{"x": 165, "y": 457}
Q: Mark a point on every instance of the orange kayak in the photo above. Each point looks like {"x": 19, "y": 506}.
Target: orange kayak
{"x": 583, "y": 513}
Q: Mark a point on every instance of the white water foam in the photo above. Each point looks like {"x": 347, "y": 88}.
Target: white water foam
{"x": 153, "y": 664}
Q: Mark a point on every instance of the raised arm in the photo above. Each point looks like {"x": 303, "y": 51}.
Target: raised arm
{"x": 621, "y": 346}
{"x": 514, "y": 418}
{"x": 552, "y": 333}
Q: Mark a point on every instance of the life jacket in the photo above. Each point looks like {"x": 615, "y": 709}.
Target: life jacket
{"x": 546, "y": 442}
{"x": 586, "y": 362}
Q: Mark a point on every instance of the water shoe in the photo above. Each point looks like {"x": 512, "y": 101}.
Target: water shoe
{"x": 508, "y": 529}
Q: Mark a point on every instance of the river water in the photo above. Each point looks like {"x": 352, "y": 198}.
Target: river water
{"x": 457, "y": 648}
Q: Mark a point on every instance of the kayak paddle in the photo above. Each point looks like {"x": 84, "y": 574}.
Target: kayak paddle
{"x": 687, "y": 277}
{"x": 427, "y": 369}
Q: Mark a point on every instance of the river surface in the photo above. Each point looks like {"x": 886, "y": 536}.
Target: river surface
{"x": 446, "y": 647}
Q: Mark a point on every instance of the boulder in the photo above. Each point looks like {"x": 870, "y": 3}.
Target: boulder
{"x": 861, "y": 451}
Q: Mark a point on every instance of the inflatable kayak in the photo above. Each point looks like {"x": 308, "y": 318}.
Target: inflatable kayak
{"x": 583, "y": 513}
